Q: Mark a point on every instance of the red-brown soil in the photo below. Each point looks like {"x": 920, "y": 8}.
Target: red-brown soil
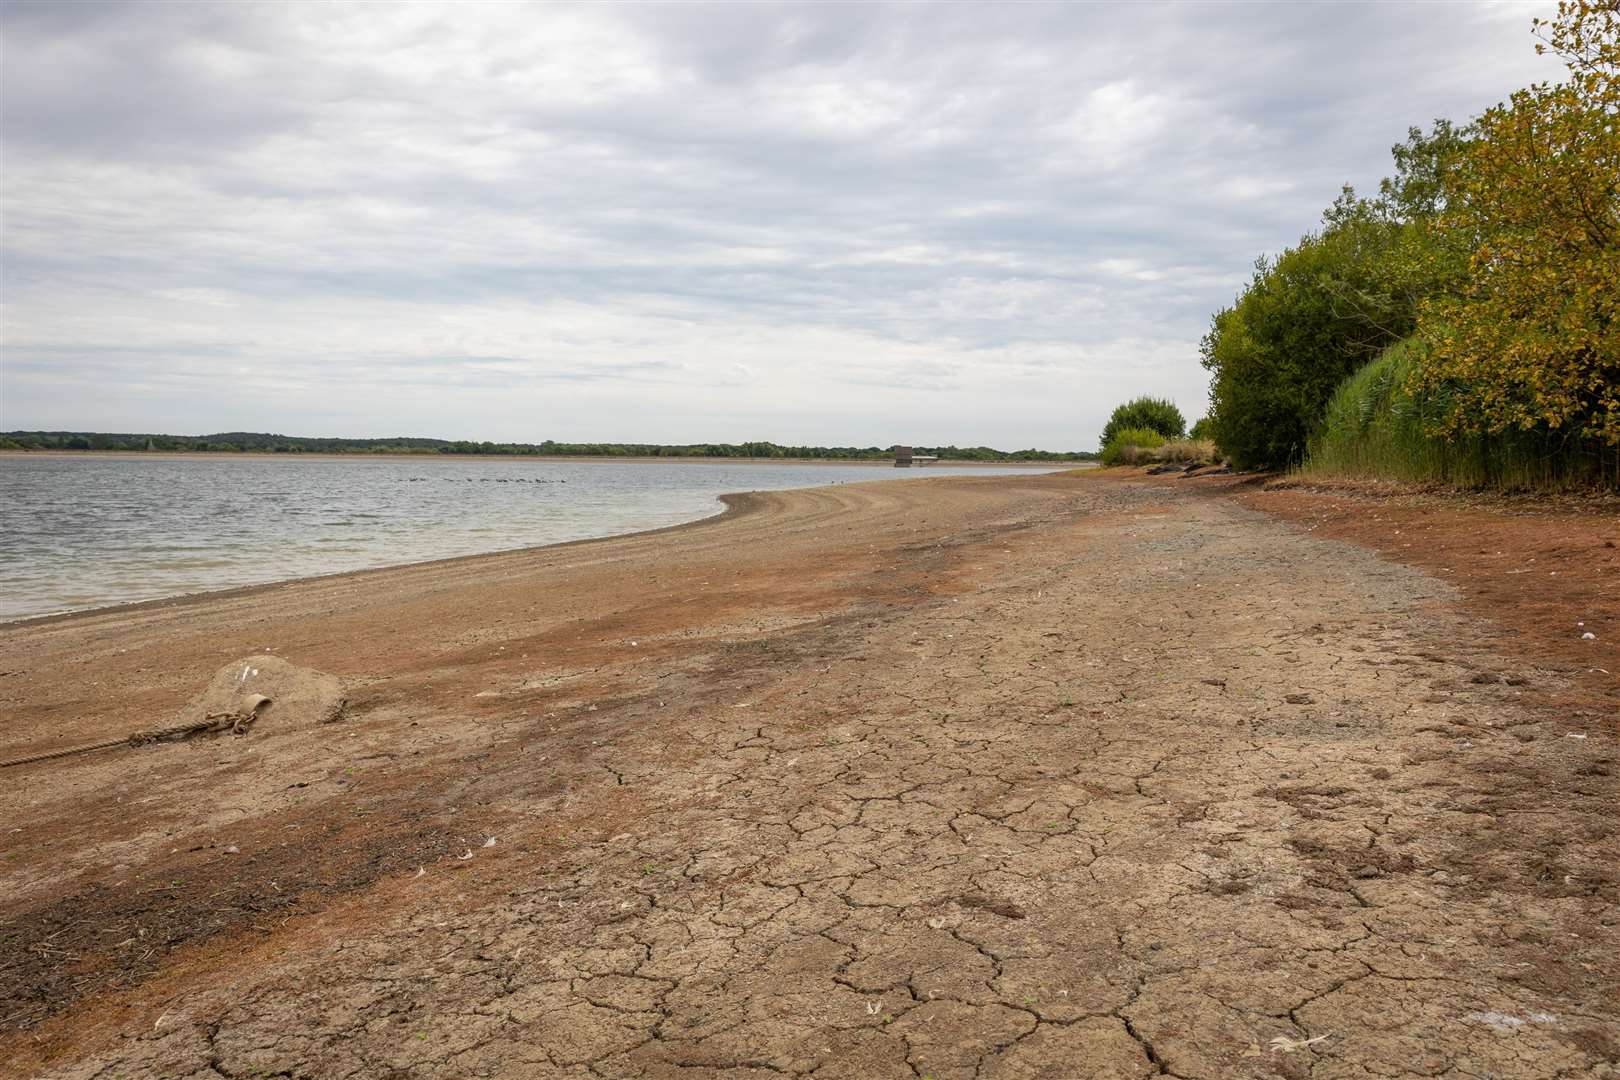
{"x": 987, "y": 777}
{"x": 1547, "y": 571}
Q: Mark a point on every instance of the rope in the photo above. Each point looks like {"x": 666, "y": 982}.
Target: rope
{"x": 237, "y": 722}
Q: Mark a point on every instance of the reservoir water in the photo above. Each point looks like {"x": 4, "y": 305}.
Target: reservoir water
{"x": 80, "y": 532}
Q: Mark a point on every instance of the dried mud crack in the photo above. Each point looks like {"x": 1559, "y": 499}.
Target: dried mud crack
{"x": 987, "y": 778}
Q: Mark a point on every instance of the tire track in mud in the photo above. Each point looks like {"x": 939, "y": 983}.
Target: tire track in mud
{"x": 1104, "y": 782}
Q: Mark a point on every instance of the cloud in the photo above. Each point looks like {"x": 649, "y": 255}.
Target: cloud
{"x": 816, "y": 223}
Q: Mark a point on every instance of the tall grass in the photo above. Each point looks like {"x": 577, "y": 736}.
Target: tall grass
{"x": 1373, "y": 428}
{"x": 1185, "y": 451}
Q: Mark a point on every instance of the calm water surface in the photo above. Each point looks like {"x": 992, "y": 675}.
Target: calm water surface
{"x": 86, "y": 532}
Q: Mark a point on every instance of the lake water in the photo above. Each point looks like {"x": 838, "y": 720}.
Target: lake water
{"x": 87, "y": 532}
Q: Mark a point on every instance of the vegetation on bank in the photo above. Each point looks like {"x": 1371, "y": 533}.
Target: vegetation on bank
{"x": 1379, "y": 425}
{"x": 1461, "y": 326}
{"x": 1129, "y": 446}
{"x": 1186, "y": 451}
{"x": 1138, "y": 427}
{"x": 1145, "y": 414}
{"x": 258, "y": 442}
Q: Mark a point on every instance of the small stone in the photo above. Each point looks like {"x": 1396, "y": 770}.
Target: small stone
{"x": 232, "y": 849}
{"x": 1300, "y": 699}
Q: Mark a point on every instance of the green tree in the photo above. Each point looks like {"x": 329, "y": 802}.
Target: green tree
{"x": 1306, "y": 320}
{"x": 1423, "y": 166}
{"x": 1146, "y": 413}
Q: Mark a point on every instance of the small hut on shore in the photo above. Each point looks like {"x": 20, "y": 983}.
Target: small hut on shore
{"x": 904, "y": 458}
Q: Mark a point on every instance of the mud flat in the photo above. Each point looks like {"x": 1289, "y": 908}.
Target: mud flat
{"x": 995, "y": 777}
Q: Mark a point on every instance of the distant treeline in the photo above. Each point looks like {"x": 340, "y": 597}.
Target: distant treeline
{"x": 262, "y": 443}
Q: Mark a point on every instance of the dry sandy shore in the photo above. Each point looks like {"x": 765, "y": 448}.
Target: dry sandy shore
{"x": 964, "y": 777}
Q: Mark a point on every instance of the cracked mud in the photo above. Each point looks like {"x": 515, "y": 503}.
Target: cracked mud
{"x": 1042, "y": 777}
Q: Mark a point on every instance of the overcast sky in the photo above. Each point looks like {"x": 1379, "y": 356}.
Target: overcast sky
{"x": 829, "y": 223}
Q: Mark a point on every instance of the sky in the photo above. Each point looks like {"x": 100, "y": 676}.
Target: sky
{"x": 836, "y": 224}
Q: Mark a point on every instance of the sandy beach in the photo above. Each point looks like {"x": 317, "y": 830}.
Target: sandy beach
{"x": 1005, "y": 777}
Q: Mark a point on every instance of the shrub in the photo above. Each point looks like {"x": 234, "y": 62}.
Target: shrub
{"x": 1131, "y": 446}
{"x": 1146, "y": 414}
{"x": 1202, "y": 430}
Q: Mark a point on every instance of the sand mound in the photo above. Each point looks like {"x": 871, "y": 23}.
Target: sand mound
{"x": 298, "y": 695}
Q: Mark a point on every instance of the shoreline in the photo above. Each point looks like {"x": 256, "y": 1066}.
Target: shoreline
{"x": 730, "y": 504}
{"x": 737, "y": 503}
{"x": 141, "y": 455}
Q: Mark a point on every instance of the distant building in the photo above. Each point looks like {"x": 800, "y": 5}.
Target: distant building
{"x": 904, "y": 458}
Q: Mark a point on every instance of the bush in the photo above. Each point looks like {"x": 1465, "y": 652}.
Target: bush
{"x": 1146, "y": 414}
{"x": 1202, "y": 430}
{"x": 1131, "y": 446}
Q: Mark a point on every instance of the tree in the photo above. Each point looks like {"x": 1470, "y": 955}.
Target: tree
{"x": 1423, "y": 164}
{"x": 1307, "y": 319}
{"x": 1529, "y": 337}
{"x": 1146, "y": 413}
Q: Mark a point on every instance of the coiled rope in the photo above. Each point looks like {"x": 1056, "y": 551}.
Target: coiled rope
{"x": 236, "y": 722}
